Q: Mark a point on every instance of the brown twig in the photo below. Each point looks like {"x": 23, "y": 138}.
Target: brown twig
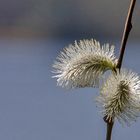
{"x": 110, "y": 124}
{"x": 109, "y": 130}
{"x": 127, "y": 29}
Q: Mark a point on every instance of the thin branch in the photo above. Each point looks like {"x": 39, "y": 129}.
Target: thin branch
{"x": 110, "y": 124}
{"x": 109, "y": 130}
{"x": 127, "y": 29}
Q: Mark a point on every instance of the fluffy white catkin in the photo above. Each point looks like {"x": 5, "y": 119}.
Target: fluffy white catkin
{"x": 120, "y": 96}
{"x": 82, "y": 64}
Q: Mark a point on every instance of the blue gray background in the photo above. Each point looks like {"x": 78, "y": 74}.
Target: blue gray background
{"x": 32, "y": 107}
{"x": 32, "y": 33}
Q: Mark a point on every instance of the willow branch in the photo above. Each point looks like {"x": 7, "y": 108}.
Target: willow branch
{"x": 127, "y": 29}
{"x": 109, "y": 130}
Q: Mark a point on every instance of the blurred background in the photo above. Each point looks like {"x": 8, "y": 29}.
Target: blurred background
{"x": 32, "y": 33}
{"x": 65, "y": 18}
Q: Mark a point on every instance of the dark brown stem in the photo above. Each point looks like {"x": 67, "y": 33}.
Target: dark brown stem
{"x": 110, "y": 124}
{"x": 109, "y": 130}
{"x": 127, "y": 29}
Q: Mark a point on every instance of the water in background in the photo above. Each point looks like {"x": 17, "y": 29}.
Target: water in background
{"x": 32, "y": 107}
